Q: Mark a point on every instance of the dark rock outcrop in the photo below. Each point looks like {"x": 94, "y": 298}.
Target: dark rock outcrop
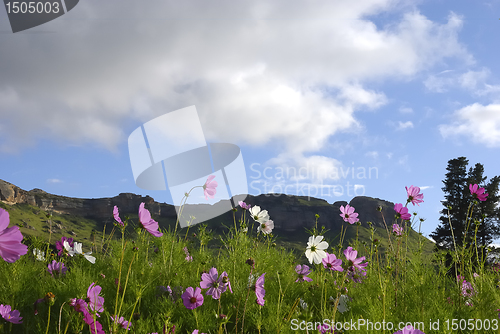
{"x": 289, "y": 213}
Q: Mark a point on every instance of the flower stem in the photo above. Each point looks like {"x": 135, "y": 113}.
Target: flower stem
{"x": 48, "y": 321}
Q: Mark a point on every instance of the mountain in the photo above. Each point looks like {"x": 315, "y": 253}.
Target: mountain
{"x": 291, "y": 215}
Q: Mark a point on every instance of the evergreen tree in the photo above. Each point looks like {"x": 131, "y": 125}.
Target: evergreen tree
{"x": 458, "y": 203}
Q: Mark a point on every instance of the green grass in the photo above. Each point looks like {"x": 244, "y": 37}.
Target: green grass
{"x": 406, "y": 283}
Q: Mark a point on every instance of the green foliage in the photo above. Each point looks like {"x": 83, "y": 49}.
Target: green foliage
{"x": 402, "y": 284}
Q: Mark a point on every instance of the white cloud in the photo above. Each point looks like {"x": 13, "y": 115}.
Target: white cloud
{"x": 472, "y": 81}
{"x": 54, "y": 181}
{"x": 405, "y": 110}
{"x": 426, "y": 187}
{"x": 405, "y": 125}
{"x": 259, "y": 72}
{"x": 478, "y": 122}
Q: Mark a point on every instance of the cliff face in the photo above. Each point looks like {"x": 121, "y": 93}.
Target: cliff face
{"x": 289, "y": 213}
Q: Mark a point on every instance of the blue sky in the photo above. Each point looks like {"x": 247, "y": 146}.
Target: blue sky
{"x": 397, "y": 88}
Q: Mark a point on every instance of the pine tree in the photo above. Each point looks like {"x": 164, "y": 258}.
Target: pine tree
{"x": 458, "y": 203}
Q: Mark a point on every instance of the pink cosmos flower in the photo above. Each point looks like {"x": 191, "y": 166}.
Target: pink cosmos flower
{"x": 189, "y": 258}
{"x": 477, "y": 192}
{"x": 96, "y": 302}
{"x": 116, "y": 215}
{"x": 352, "y": 261}
{"x": 356, "y": 275}
{"x": 331, "y": 262}
{"x": 192, "y": 298}
{"x": 348, "y": 214}
{"x": 414, "y": 195}
{"x": 94, "y": 325}
{"x": 11, "y": 247}
{"x": 214, "y": 284}
{"x": 147, "y": 223}
{"x": 196, "y": 332}
{"x": 409, "y": 330}
{"x": 121, "y": 322}
{"x": 467, "y": 289}
{"x": 209, "y": 188}
{"x": 303, "y": 271}
{"x": 402, "y": 212}
{"x": 244, "y": 205}
{"x": 57, "y": 268}
{"x": 79, "y": 305}
{"x": 398, "y": 230}
{"x": 266, "y": 227}
{"x": 225, "y": 280}
{"x": 259, "y": 290}
{"x": 60, "y": 245}
{"x": 10, "y": 315}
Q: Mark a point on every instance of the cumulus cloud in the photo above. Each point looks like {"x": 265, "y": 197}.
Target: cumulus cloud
{"x": 472, "y": 81}
{"x": 259, "y": 72}
{"x": 405, "y": 110}
{"x": 480, "y": 123}
{"x": 405, "y": 125}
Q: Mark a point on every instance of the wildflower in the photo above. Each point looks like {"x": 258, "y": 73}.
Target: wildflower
{"x": 396, "y": 229}
{"x": 214, "y": 284}
{"x": 116, "y": 215}
{"x": 315, "y": 251}
{"x": 225, "y": 280}
{"x": 192, "y": 298}
{"x": 38, "y": 254}
{"x": 356, "y": 275}
{"x": 209, "y": 187}
{"x": 402, "y": 212}
{"x": 250, "y": 262}
{"x": 196, "y": 332}
{"x": 266, "y": 227}
{"x": 409, "y": 330}
{"x": 60, "y": 244}
{"x": 352, "y": 261}
{"x": 244, "y": 205}
{"x": 57, "y": 268}
{"x": 348, "y": 214}
{"x": 303, "y": 271}
{"x": 475, "y": 275}
{"x": 259, "y": 290}
{"x": 96, "y": 302}
{"x": 189, "y": 258}
{"x": 79, "y": 305}
{"x": 414, "y": 195}
{"x": 326, "y": 329}
{"x": 11, "y": 247}
{"x": 467, "y": 289}
{"x": 258, "y": 215}
{"x": 147, "y": 223}
{"x": 477, "y": 192}
{"x": 94, "y": 325}
{"x": 121, "y": 322}
{"x": 78, "y": 250}
{"x": 10, "y": 315}
{"x": 331, "y": 262}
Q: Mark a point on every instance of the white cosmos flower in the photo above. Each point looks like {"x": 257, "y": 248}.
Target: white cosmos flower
{"x": 266, "y": 227}
{"x": 315, "y": 251}
{"x": 78, "y": 250}
{"x": 259, "y": 216}
{"x": 39, "y": 254}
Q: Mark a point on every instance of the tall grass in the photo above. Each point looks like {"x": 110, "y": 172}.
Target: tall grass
{"x": 400, "y": 286}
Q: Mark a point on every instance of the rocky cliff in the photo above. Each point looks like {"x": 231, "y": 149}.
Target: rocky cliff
{"x": 289, "y": 213}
